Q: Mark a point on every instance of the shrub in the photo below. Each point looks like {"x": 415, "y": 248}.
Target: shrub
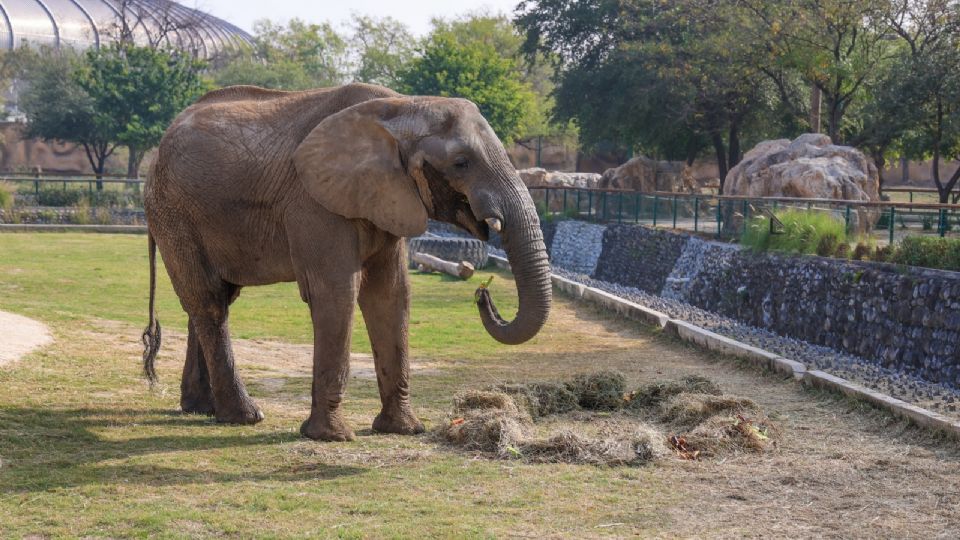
{"x": 942, "y": 253}
{"x": 803, "y": 232}
{"x": 861, "y": 252}
{"x": 81, "y": 215}
{"x": 6, "y": 196}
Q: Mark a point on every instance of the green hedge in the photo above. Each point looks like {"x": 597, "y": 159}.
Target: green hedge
{"x": 930, "y": 252}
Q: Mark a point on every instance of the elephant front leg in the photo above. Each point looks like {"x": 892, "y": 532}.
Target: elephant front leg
{"x": 332, "y": 314}
{"x": 385, "y": 302}
{"x": 196, "y": 395}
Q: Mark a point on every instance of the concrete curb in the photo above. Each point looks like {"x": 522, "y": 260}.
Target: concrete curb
{"x": 107, "y": 229}
{"x": 918, "y": 415}
{"x": 722, "y": 344}
{"x": 715, "y": 342}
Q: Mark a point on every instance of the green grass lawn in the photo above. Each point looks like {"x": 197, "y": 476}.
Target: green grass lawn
{"x": 87, "y": 449}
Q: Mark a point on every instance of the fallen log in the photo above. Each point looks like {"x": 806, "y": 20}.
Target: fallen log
{"x": 429, "y": 263}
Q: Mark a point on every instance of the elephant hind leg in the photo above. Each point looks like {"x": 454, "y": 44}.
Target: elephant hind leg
{"x": 209, "y": 310}
{"x": 196, "y": 394}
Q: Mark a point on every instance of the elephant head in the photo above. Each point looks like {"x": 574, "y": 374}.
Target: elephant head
{"x": 397, "y": 161}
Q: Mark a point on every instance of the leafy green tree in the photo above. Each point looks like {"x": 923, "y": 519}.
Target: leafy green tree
{"x": 292, "y": 57}
{"x": 670, "y": 79}
{"x": 58, "y": 107}
{"x": 498, "y": 31}
{"x": 473, "y": 71}
{"x": 382, "y": 47}
{"x": 136, "y": 92}
{"x": 837, "y": 47}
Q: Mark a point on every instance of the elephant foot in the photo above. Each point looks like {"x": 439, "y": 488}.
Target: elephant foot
{"x": 246, "y": 413}
{"x": 400, "y": 420}
{"x": 330, "y": 427}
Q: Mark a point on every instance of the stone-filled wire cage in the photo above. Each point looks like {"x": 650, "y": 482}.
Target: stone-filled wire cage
{"x": 91, "y": 23}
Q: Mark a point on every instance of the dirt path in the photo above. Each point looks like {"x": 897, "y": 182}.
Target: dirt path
{"x": 19, "y": 336}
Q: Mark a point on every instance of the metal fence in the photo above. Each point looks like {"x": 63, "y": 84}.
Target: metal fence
{"x": 723, "y": 217}
{"x": 727, "y": 217}
{"x": 66, "y": 183}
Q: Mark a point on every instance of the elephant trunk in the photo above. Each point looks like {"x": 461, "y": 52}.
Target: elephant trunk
{"x": 523, "y": 242}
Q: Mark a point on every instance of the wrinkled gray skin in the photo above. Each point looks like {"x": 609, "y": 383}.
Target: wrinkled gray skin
{"x": 252, "y": 187}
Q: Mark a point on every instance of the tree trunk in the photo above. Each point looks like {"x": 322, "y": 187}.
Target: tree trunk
{"x": 880, "y": 162}
{"x": 721, "y": 152}
{"x": 133, "y": 163}
{"x": 734, "y": 142}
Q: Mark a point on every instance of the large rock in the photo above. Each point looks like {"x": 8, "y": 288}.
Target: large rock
{"x": 648, "y": 175}
{"x": 536, "y": 177}
{"x": 810, "y": 167}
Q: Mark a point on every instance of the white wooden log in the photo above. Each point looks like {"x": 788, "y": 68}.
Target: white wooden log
{"x": 429, "y": 263}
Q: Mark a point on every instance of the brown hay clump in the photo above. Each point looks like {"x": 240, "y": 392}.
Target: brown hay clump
{"x": 725, "y": 434}
{"x": 486, "y": 430}
{"x": 689, "y": 410}
{"x": 600, "y": 391}
{"x": 656, "y": 393}
{"x": 488, "y": 400}
{"x": 567, "y": 446}
{"x": 541, "y": 398}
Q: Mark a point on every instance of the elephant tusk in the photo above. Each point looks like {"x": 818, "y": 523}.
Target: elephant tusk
{"x": 493, "y": 223}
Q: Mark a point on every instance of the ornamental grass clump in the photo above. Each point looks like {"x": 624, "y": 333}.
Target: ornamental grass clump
{"x": 802, "y": 232}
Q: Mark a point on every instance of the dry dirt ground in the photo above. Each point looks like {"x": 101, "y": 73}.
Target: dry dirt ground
{"x": 19, "y": 336}
{"x": 840, "y": 470}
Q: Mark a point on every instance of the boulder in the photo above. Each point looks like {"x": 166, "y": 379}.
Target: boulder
{"x": 810, "y": 167}
{"x": 537, "y": 177}
{"x": 648, "y": 175}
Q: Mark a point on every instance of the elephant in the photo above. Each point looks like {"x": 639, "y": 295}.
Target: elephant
{"x": 253, "y": 186}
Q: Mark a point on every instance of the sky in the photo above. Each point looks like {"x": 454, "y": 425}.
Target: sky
{"x": 416, "y": 14}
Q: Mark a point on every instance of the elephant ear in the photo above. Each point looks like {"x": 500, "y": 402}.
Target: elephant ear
{"x": 350, "y": 163}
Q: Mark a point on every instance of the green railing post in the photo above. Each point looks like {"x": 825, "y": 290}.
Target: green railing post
{"x": 696, "y": 214}
{"x": 656, "y": 203}
{"x": 546, "y": 197}
{"x": 846, "y": 220}
{"x": 564, "y": 201}
{"x": 674, "y": 211}
{"x": 578, "y": 203}
{"x": 719, "y": 218}
{"x": 603, "y": 204}
{"x": 746, "y": 215}
{"x": 943, "y": 223}
{"x": 620, "y": 207}
{"x": 911, "y": 195}
{"x": 589, "y": 204}
{"x": 637, "y": 199}
{"x": 893, "y": 213}
{"x": 36, "y": 190}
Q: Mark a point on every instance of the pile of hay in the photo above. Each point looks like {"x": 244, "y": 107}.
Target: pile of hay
{"x": 541, "y": 398}
{"x": 601, "y": 391}
{"x": 701, "y": 421}
{"x": 658, "y": 392}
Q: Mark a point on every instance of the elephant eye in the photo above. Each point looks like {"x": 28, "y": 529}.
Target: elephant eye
{"x": 461, "y": 163}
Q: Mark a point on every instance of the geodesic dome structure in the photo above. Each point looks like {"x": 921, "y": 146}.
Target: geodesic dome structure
{"x": 90, "y": 23}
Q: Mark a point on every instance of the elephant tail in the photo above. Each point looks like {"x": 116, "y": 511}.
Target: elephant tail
{"x": 151, "y": 335}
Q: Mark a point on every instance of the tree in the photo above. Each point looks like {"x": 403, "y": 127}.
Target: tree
{"x": 382, "y": 47}
{"x": 58, "y": 107}
{"x": 670, "y": 79}
{"x": 473, "y": 71}
{"x": 297, "y": 56}
{"x": 317, "y": 48}
{"x": 136, "y": 92}
{"x": 835, "y": 47}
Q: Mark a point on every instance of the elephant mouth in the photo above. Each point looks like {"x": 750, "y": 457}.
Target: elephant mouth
{"x": 451, "y": 206}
